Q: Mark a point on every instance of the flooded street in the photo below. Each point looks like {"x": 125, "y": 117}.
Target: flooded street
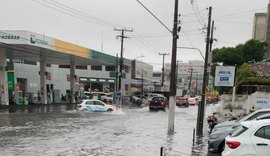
{"x": 62, "y": 131}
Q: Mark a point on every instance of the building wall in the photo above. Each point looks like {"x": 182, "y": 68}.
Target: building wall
{"x": 259, "y": 26}
{"x": 59, "y": 76}
{"x": 267, "y": 54}
{"x": 184, "y": 73}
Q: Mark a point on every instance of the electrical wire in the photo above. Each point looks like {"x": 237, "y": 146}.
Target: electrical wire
{"x": 60, "y": 7}
{"x": 196, "y": 14}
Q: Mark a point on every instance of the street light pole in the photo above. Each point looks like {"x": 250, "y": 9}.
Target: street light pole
{"x": 194, "y": 49}
{"x": 162, "y": 81}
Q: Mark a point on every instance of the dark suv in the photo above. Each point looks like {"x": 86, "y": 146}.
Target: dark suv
{"x": 157, "y": 103}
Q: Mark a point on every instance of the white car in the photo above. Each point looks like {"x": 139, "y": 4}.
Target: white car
{"x": 251, "y": 138}
{"x": 94, "y": 105}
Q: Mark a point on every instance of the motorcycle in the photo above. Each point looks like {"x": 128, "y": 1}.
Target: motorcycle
{"x": 212, "y": 121}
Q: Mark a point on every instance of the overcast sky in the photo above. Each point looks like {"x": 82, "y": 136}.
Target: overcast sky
{"x": 91, "y": 23}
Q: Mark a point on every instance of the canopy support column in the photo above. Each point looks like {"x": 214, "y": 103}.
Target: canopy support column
{"x": 72, "y": 78}
{"x": 43, "y": 89}
{"x": 3, "y": 77}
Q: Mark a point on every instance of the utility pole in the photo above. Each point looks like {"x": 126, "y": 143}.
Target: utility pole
{"x": 173, "y": 65}
{"x": 211, "y": 37}
{"x": 190, "y": 79}
{"x": 142, "y": 85}
{"x": 122, "y": 36}
{"x": 200, "y": 116}
{"x": 164, "y": 54}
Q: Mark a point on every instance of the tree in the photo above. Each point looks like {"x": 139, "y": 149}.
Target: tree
{"x": 251, "y": 50}
{"x": 229, "y": 56}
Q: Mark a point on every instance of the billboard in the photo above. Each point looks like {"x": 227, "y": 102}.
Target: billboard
{"x": 225, "y": 76}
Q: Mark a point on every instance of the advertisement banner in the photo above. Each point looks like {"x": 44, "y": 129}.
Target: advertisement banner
{"x": 225, "y": 76}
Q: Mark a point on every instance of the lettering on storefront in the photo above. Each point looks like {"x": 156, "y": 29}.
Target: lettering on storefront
{"x": 10, "y": 37}
{"x": 35, "y": 40}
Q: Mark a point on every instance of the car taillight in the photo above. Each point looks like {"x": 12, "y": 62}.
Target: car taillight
{"x": 233, "y": 144}
{"x": 162, "y": 103}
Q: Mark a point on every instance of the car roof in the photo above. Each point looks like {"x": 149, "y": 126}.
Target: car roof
{"x": 255, "y": 122}
{"x": 251, "y": 114}
{"x": 91, "y": 100}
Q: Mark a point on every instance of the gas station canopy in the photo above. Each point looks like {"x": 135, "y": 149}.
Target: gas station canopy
{"x": 25, "y": 45}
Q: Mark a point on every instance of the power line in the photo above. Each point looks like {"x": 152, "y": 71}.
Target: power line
{"x": 200, "y": 20}
{"x": 155, "y": 16}
{"x": 238, "y": 13}
{"x": 60, "y": 7}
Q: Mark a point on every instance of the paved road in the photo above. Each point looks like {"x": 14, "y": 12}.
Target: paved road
{"x": 61, "y": 130}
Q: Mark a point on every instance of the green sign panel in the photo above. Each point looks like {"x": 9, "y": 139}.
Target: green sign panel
{"x": 11, "y": 82}
{"x": 113, "y": 74}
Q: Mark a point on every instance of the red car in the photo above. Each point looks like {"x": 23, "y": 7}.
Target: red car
{"x": 182, "y": 101}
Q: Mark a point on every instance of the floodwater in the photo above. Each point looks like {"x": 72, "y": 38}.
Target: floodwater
{"x": 60, "y": 130}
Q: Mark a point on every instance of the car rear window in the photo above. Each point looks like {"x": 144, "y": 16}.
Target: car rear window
{"x": 157, "y": 98}
{"x": 239, "y": 131}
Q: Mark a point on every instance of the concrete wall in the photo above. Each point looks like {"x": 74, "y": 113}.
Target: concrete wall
{"x": 244, "y": 103}
{"x": 229, "y": 108}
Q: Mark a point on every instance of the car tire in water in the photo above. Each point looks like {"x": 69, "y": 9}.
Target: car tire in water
{"x": 109, "y": 110}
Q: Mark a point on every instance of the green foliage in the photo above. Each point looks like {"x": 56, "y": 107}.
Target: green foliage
{"x": 244, "y": 72}
{"x": 248, "y": 76}
{"x": 229, "y": 56}
{"x": 251, "y": 50}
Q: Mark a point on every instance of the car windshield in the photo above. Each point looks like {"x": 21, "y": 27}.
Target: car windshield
{"x": 157, "y": 98}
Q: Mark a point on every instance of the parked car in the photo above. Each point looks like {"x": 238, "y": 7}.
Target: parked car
{"x": 251, "y": 138}
{"x": 107, "y": 98}
{"x": 94, "y": 105}
{"x": 216, "y": 140}
{"x": 135, "y": 101}
{"x": 157, "y": 103}
{"x": 98, "y": 95}
{"x": 182, "y": 101}
{"x": 193, "y": 101}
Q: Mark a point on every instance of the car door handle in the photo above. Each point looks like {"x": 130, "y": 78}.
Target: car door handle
{"x": 262, "y": 144}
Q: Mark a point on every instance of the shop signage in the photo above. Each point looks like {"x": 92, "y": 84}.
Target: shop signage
{"x": 262, "y": 102}
{"x": 9, "y": 37}
{"x": 225, "y": 76}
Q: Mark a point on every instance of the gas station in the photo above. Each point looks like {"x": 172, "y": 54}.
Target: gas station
{"x": 26, "y": 45}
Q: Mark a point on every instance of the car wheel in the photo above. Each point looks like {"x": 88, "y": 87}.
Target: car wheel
{"x": 109, "y": 110}
{"x": 164, "y": 109}
{"x": 221, "y": 147}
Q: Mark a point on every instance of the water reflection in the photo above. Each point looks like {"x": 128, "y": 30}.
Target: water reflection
{"x": 37, "y": 108}
{"x": 64, "y": 131}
